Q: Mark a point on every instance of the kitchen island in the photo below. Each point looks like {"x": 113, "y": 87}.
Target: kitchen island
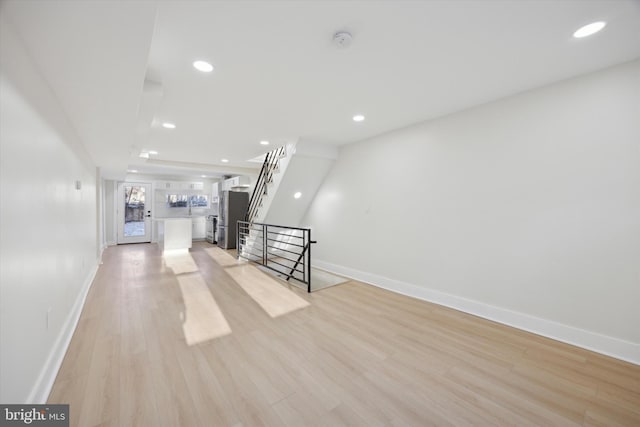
{"x": 174, "y": 234}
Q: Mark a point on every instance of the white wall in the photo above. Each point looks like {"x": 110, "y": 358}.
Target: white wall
{"x": 100, "y": 226}
{"x": 306, "y": 171}
{"x": 48, "y": 228}
{"x": 110, "y": 192}
{"x": 525, "y": 210}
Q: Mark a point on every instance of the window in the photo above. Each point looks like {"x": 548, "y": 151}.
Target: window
{"x": 186, "y": 200}
{"x": 177, "y": 200}
{"x": 199, "y": 201}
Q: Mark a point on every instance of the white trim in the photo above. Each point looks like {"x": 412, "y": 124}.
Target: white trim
{"x": 40, "y": 391}
{"x": 610, "y": 346}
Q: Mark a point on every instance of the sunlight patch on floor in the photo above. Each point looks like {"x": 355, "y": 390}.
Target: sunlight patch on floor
{"x": 274, "y": 299}
{"x": 203, "y": 319}
{"x": 180, "y": 262}
{"x": 320, "y": 279}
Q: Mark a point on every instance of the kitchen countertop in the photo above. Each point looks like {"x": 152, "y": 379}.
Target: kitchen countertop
{"x": 177, "y": 217}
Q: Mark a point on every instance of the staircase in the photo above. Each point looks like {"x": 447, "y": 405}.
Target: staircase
{"x": 262, "y": 237}
{"x": 273, "y": 167}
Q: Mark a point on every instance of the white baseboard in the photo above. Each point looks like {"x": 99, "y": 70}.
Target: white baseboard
{"x": 610, "y": 346}
{"x": 40, "y": 392}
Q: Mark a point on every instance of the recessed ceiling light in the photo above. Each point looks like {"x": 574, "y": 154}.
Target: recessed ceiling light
{"x": 203, "y": 176}
{"x": 144, "y": 155}
{"x": 297, "y": 195}
{"x": 168, "y": 125}
{"x": 589, "y": 29}
{"x": 154, "y": 152}
{"x": 224, "y": 160}
{"x": 133, "y": 170}
{"x": 264, "y": 142}
{"x": 203, "y": 66}
{"x": 358, "y": 118}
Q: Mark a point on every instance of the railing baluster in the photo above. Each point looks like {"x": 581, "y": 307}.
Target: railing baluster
{"x": 303, "y": 251}
{"x": 309, "y": 262}
{"x": 265, "y": 256}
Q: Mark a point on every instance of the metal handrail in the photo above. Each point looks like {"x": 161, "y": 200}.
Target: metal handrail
{"x": 269, "y": 165}
{"x": 271, "y": 253}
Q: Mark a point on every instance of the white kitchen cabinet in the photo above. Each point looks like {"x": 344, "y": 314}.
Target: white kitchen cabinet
{"x": 179, "y": 185}
{"x": 199, "y": 228}
{"x": 163, "y": 185}
{"x": 215, "y": 192}
{"x": 237, "y": 182}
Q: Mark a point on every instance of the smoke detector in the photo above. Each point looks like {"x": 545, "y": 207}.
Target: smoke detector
{"x": 342, "y": 39}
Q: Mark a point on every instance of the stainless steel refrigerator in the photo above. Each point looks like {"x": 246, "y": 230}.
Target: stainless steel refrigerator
{"x": 233, "y": 208}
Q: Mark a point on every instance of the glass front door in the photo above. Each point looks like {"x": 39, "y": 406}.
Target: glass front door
{"x": 134, "y": 213}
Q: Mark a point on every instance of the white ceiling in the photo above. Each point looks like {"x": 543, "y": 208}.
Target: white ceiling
{"x": 279, "y": 77}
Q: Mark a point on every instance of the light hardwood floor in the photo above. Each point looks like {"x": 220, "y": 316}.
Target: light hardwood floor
{"x": 352, "y": 354}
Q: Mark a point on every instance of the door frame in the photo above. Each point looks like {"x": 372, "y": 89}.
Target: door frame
{"x": 148, "y": 204}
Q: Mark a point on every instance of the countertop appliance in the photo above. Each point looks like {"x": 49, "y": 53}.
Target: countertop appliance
{"x": 212, "y": 224}
{"x": 233, "y": 208}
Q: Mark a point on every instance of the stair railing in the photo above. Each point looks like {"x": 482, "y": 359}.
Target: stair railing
{"x": 269, "y": 165}
{"x": 282, "y": 249}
